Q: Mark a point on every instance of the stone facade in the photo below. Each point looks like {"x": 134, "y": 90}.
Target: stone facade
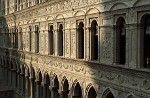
{"x": 75, "y": 48}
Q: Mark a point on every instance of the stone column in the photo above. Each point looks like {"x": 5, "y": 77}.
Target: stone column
{"x": 52, "y": 93}
{"x": 87, "y": 40}
{"x": 46, "y": 36}
{"x": 44, "y": 91}
{"x": 48, "y": 92}
{"x": 56, "y": 42}
{"x": 38, "y": 94}
{"x": 18, "y": 75}
{"x": 33, "y": 41}
{"x": 32, "y": 81}
{"x": 27, "y": 87}
{"x": 13, "y": 78}
{"x": 6, "y": 76}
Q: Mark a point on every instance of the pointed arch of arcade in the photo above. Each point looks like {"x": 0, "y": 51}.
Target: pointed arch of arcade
{"x": 39, "y": 87}
{"x": 108, "y": 94}
{"x": 144, "y": 41}
{"x": 46, "y": 90}
{"x": 55, "y": 87}
{"x": 32, "y": 82}
{"x": 65, "y": 87}
{"x": 120, "y": 41}
{"x": 76, "y": 90}
{"x": 91, "y": 92}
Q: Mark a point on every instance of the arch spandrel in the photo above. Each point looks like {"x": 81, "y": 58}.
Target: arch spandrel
{"x": 79, "y": 13}
{"x": 59, "y": 16}
{"x": 118, "y": 6}
{"x": 43, "y": 19}
{"x": 92, "y": 11}
{"x": 49, "y": 18}
{"x": 108, "y": 91}
{"x": 130, "y": 96}
{"x": 141, "y": 2}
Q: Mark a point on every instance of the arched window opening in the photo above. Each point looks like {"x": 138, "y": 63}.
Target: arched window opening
{"x": 51, "y": 40}
{"x": 121, "y": 41}
{"x": 80, "y": 39}
{"x": 109, "y": 95}
{"x": 92, "y": 93}
{"x": 77, "y": 91}
{"x": 145, "y": 40}
{"x": 65, "y": 89}
{"x": 60, "y": 40}
{"x": 94, "y": 40}
{"x": 36, "y": 39}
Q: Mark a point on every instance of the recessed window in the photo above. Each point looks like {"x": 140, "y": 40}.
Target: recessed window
{"x": 94, "y": 40}
{"x": 51, "y": 38}
{"x": 36, "y": 39}
{"x": 80, "y": 41}
{"x": 120, "y": 41}
{"x": 60, "y": 40}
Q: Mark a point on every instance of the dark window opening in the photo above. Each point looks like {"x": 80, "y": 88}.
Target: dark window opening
{"x": 80, "y": 40}
{"x": 121, "y": 41}
{"x": 94, "y": 40}
{"x": 36, "y": 39}
{"x": 30, "y": 38}
{"x": 92, "y": 93}
{"x": 109, "y": 95}
{"x": 51, "y": 48}
{"x": 77, "y": 91}
{"x": 147, "y": 42}
{"x": 60, "y": 40}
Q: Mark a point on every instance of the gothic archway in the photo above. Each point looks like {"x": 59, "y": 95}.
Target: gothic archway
{"x": 92, "y": 93}
{"x": 108, "y": 94}
{"x": 77, "y": 93}
{"x": 56, "y": 87}
{"x": 46, "y": 90}
{"x": 65, "y": 89}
